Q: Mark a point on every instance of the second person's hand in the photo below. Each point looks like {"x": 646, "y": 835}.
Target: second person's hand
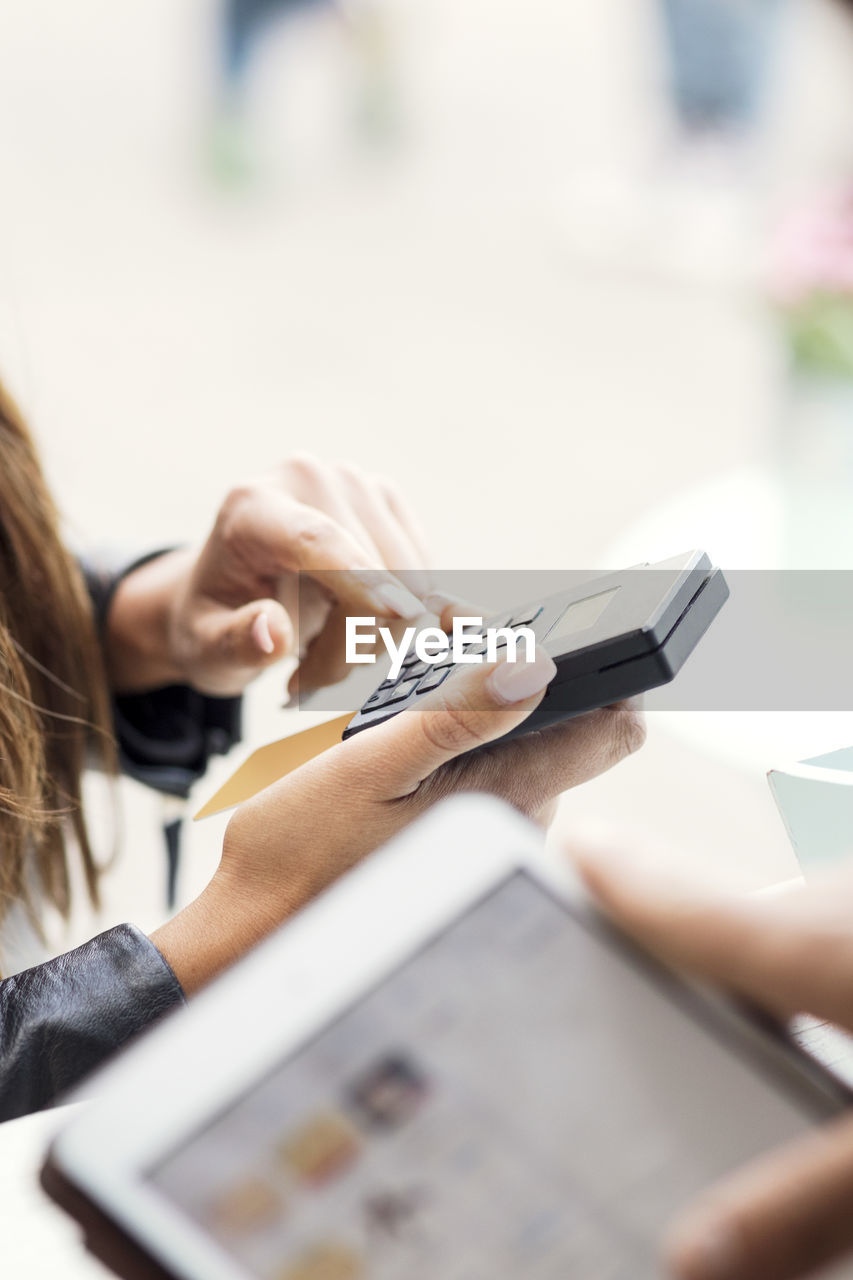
{"x": 784, "y": 1216}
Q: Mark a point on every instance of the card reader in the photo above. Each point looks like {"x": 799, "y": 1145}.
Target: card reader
{"x": 611, "y": 637}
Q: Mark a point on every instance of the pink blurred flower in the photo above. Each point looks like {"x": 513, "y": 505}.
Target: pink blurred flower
{"x": 812, "y": 251}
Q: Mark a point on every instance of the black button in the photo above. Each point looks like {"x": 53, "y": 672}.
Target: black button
{"x": 435, "y": 679}
{"x": 402, "y": 691}
{"x": 393, "y": 693}
{"x": 526, "y": 620}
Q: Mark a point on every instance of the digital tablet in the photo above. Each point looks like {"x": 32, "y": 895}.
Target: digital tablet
{"x": 448, "y": 1067}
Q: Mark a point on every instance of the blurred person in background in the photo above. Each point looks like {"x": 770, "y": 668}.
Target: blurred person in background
{"x": 244, "y": 25}
{"x": 719, "y": 55}
{"x": 143, "y": 665}
{"x": 686, "y": 203}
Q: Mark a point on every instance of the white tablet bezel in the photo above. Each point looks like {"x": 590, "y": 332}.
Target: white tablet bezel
{"x": 298, "y": 981}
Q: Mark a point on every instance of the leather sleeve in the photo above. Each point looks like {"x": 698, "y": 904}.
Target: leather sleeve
{"x": 61, "y": 1019}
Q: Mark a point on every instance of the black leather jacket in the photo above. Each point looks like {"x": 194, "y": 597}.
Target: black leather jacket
{"x": 61, "y": 1019}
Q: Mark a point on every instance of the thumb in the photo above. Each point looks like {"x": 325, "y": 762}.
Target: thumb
{"x": 782, "y": 1217}
{"x": 251, "y": 637}
{"x": 789, "y": 953}
{"x": 471, "y": 708}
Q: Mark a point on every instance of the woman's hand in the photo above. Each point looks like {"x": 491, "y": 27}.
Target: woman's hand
{"x": 787, "y": 1214}
{"x": 288, "y": 558}
{"x": 297, "y": 836}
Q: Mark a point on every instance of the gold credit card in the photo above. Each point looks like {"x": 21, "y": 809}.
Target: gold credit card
{"x": 274, "y": 761}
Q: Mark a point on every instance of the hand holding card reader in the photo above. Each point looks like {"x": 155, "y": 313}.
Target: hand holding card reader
{"x": 611, "y": 637}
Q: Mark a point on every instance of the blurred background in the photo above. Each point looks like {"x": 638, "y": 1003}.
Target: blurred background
{"x": 578, "y": 275}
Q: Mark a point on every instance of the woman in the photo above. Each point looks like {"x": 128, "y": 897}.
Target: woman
{"x": 162, "y": 649}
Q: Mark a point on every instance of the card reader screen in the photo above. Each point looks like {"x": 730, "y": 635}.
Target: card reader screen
{"x": 581, "y": 615}
{"x": 519, "y": 1099}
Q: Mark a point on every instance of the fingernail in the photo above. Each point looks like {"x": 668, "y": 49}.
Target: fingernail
{"x": 707, "y": 1251}
{"x": 262, "y": 635}
{"x": 515, "y": 681}
{"x": 436, "y": 602}
{"x": 399, "y": 601}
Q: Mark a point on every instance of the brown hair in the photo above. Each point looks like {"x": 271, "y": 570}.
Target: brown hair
{"x": 54, "y": 707}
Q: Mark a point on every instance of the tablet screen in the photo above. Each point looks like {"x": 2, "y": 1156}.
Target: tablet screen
{"x": 520, "y": 1099}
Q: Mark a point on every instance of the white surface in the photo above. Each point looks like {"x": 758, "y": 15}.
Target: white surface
{"x": 39, "y": 1241}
